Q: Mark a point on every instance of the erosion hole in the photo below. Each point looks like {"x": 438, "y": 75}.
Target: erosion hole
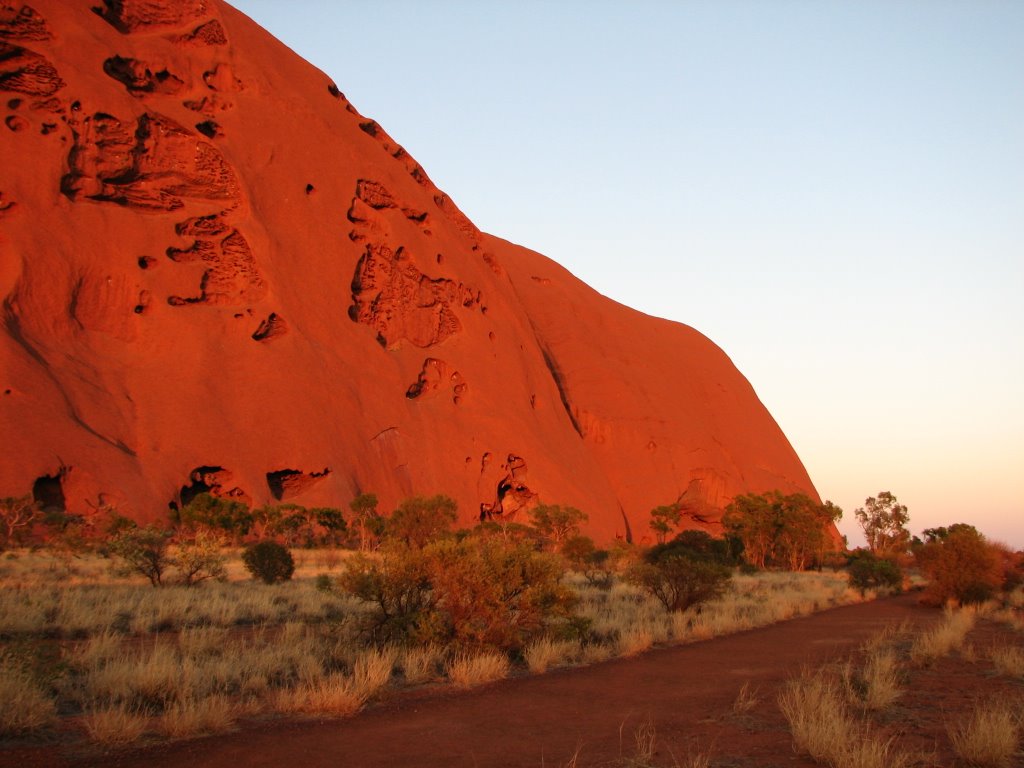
{"x": 198, "y": 485}
{"x": 48, "y": 491}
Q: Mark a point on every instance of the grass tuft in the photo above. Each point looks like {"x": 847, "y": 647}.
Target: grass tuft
{"x": 115, "y": 725}
{"x": 468, "y": 670}
{"x": 544, "y": 653}
{"x": 1009, "y": 660}
{"x": 193, "y": 717}
{"x": 989, "y": 739}
{"x": 24, "y": 707}
{"x": 942, "y": 640}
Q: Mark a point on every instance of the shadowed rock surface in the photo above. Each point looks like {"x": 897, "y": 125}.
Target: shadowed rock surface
{"x": 150, "y": 254}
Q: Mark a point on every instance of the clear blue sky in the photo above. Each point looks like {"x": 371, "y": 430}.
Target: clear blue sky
{"x": 833, "y": 192}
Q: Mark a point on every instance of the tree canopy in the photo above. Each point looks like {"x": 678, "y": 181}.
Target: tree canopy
{"x": 781, "y": 531}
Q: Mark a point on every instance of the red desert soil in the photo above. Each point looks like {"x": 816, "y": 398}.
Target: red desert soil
{"x": 216, "y": 275}
{"x": 687, "y": 693}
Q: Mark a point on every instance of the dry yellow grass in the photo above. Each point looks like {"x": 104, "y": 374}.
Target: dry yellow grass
{"x": 372, "y": 671}
{"x": 115, "y": 725}
{"x": 746, "y": 700}
{"x": 948, "y": 636}
{"x": 544, "y": 653}
{"x": 24, "y": 706}
{"x": 814, "y": 707}
{"x": 419, "y": 664}
{"x": 989, "y": 739}
{"x": 193, "y": 717}
{"x": 333, "y": 695}
{"x": 876, "y": 684}
{"x": 821, "y": 726}
{"x": 169, "y": 658}
{"x": 1008, "y": 660}
{"x": 467, "y": 670}
{"x": 634, "y": 640}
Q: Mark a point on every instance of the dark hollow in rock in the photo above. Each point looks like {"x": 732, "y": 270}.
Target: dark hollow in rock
{"x": 48, "y": 491}
{"x": 285, "y": 483}
{"x": 272, "y": 328}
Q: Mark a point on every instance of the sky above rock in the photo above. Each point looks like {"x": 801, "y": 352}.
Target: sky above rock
{"x": 833, "y": 193}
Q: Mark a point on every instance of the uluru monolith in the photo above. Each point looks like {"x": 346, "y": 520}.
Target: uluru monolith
{"x": 217, "y": 275}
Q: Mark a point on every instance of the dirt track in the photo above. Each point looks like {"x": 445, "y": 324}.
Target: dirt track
{"x": 686, "y": 692}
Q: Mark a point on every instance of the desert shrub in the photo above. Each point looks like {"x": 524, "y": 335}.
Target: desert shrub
{"x": 585, "y": 558}
{"x": 679, "y": 578}
{"x": 144, "y": 551}
{"x": 693, "y": 543}
{"x": 215, "y": 513}
{"x": 397, "y": 593}
{"x": 17, "y": 516}
{"x": 200, "y": 558}
{"x": 868, "y": 571}
{"x": 960, "y": 566}
{"x": 493, "y": 593}
{"x": 269, "y": 561}
{"x": 421, "y": 519}
{"x": 476, "y": 592}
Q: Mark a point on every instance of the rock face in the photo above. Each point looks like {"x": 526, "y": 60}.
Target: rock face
{"x": 217, "y": 275}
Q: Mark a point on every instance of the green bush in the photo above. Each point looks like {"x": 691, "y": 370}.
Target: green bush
{"x": 269, "y": 561}
{"x": 679, "y": 577}
{"x": 868, "y": 571}
{"x": 142, "y": 551}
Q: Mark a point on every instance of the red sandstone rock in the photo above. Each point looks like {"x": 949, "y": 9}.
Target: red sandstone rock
{"x": 149, "y": 260}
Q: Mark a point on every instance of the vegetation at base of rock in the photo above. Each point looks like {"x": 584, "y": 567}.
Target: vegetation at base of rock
{"x": 480, "y": 591}
{"x": 870, "y": 572}
{"x": 781, "y": 531}
{"x": 269, "y": 562}
{"x": 686, "y": 573}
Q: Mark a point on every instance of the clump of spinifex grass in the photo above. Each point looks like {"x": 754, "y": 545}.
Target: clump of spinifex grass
{"x": 875, "y": 684}
{"x": 24, "y": 706}
{"x": 467, "y": 670}
{"x": 945, "y": 638}
{"x": 822, "y": 726}
{"x": 989, "y": 738}
{"x": 545, "y": 653}
{"x": 1008, "y": 660}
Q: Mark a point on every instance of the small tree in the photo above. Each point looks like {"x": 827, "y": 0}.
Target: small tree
{"x": 961, "y": 566}
{"x": 200, "y": 558}
{"x": 868, "y": 571}
{"x": 396, "y": 589}
{"x": 331, "y": 521}
{"x": 680, "y": 581}
{"x": 17, "y": 515}
{"x": 268, "y": 561}
{"x": 143, "y": 551}
{"x": 884, "y": 522}
{"x": 780, "y": 531}
{"x": 364, "y": 510}
{"x": 664, "y": 519}
{"x": 556, "y": 523}
{"x": 420, "y": 520}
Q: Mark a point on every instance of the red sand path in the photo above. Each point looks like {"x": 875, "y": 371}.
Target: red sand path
{"x": 686, "y": 691}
